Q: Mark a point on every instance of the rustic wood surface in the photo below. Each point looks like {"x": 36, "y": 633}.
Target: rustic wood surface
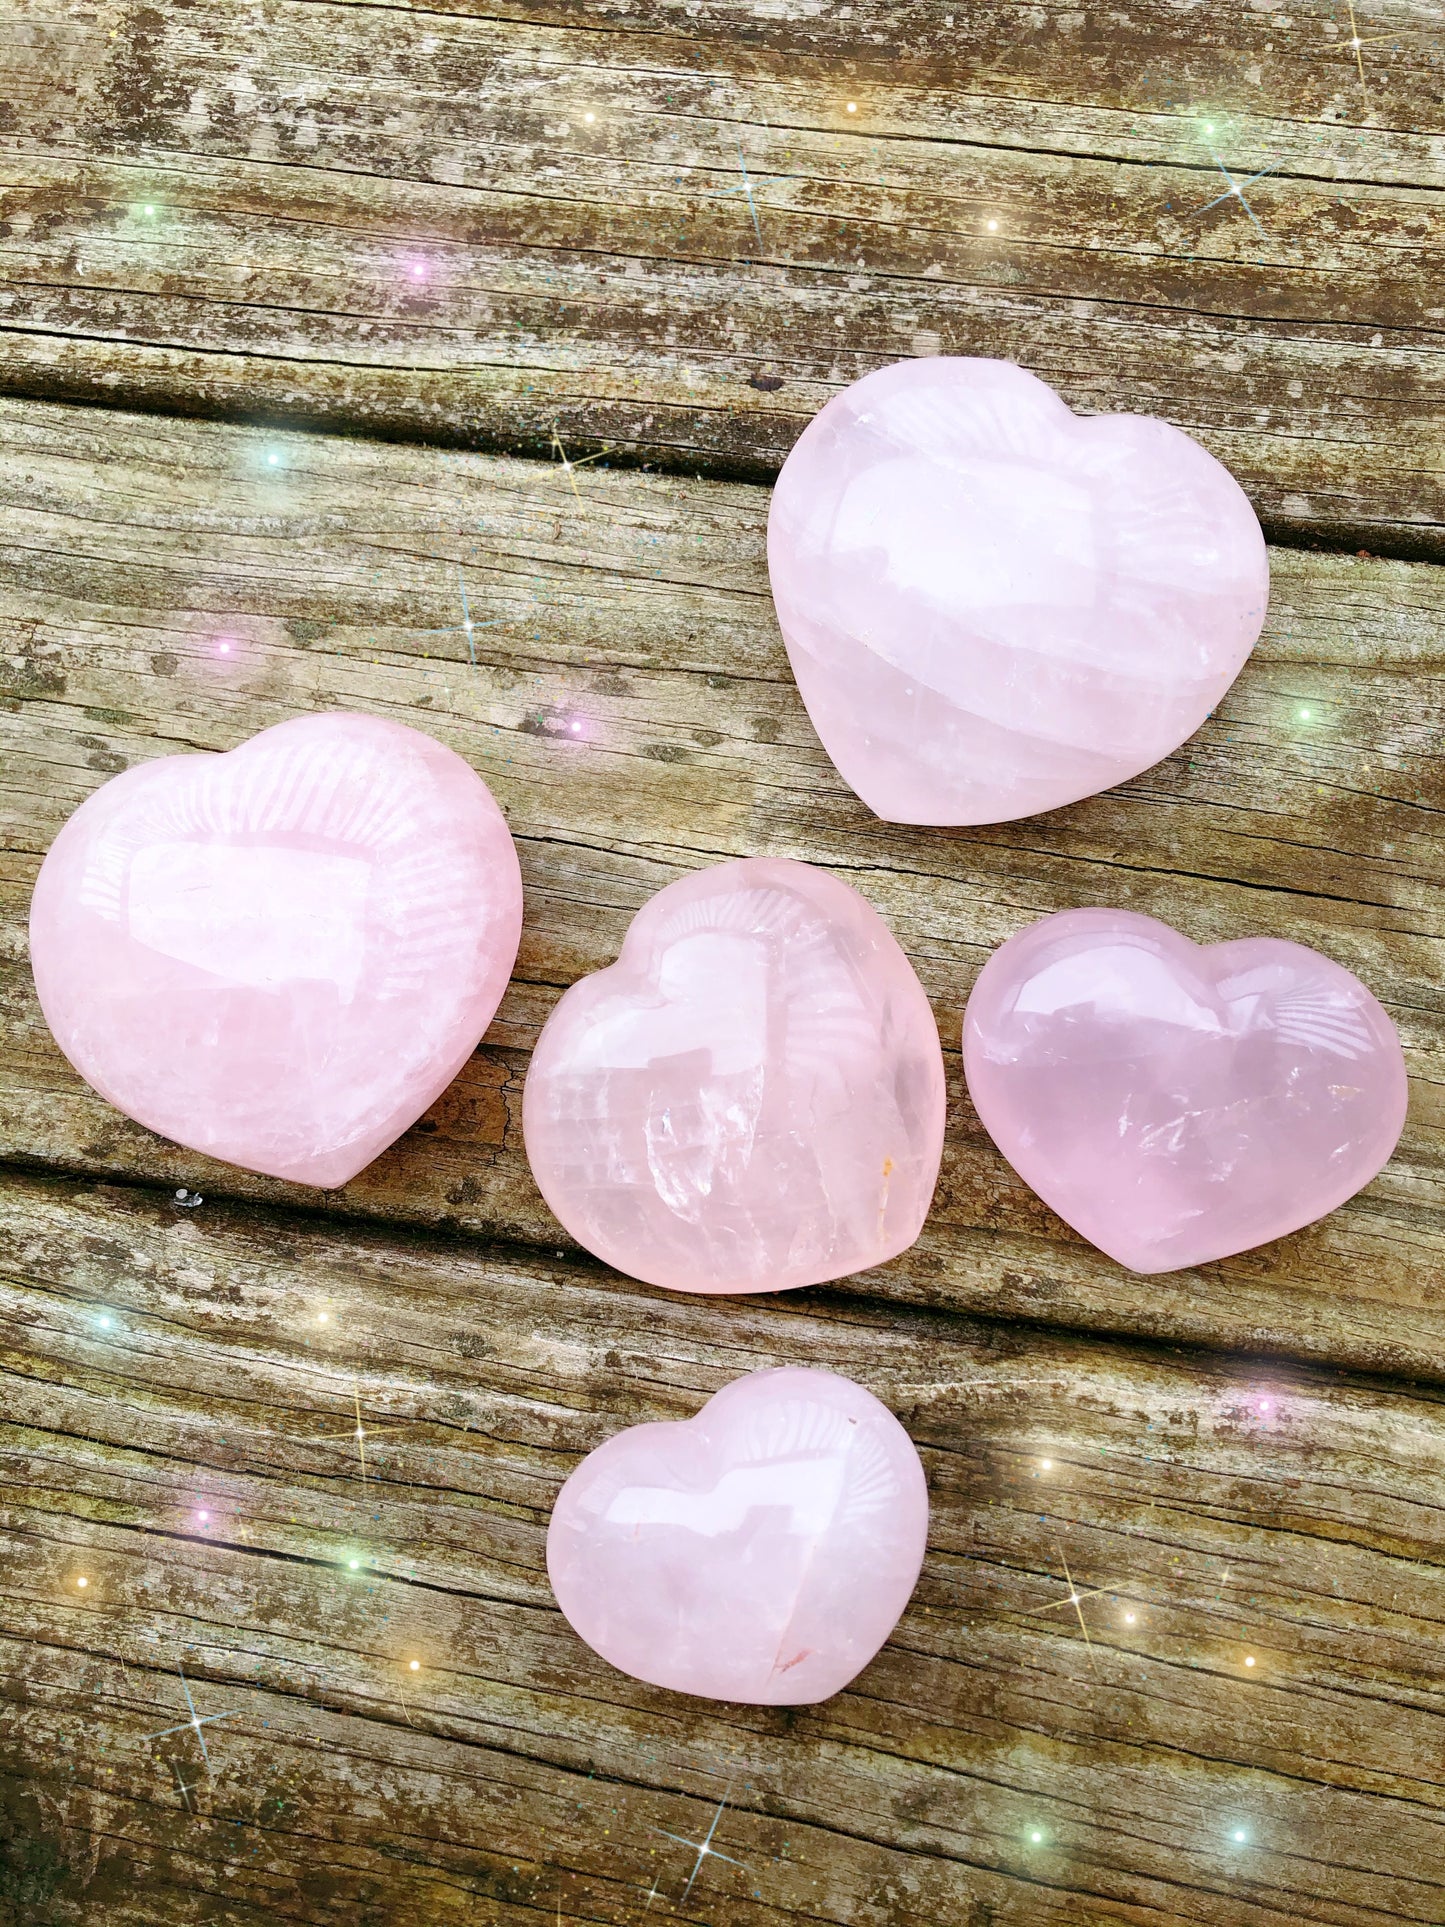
{"x": 638, "y": 607}
{"x": 396, "y": 218}
{"x": 1276, "y": 1516}
{"x": 434, "y": 221}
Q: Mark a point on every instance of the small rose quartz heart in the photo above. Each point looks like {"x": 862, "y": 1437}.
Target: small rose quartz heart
{"x": 994, "y": 607}
{"x": 282, "y": 955}
{"x": 751, "y": 1098}
{"x": 1177, "y": 1103}
{"x": 762, "y": 1551}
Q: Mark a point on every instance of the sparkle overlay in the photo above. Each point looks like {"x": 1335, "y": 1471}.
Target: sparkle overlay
{"x": 1235, "y": 191}
{"x": 1076, "y": 1601}
{"x": 467, "y": 626}
{"x": 748, "y": 190}
{"x": 1357, "y": 41}
{"x": 569, "y": 467}
{"x": 185, "y": 1787}
{"x": 705, "y": 1848}
{"x": 194, "y": 1723}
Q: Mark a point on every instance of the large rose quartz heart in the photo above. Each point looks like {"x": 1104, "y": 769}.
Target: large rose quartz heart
{"x": 751, "y": 1097}
{"x": 1176, "y": 1103}
{"x": 282, "y": 955}
{"x": 993, "y": 607}
{"x": 762, "y": 1551}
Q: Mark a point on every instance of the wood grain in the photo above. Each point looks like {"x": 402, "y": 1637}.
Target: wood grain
{"x": 449, "y": 224}
{"x": 493, "y": 223}
{"x": 1237, "y": 1513}
{"x": 1309, "y": 807}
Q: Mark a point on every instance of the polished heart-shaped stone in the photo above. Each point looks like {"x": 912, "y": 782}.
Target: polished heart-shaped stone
{"x": 762, "y": 1551}
{"x": 994, "y": 607}
{"x": 1176, "y": 1103}
{"x": 280, "y": 956}
{"x": 751, "y": 1097}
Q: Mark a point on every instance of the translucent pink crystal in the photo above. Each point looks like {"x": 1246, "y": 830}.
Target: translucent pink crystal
{"x": 994, "y": 607}
{"x": 751, "y": 1097}
{"x": 762, "y": 1551}
{"x": 282, "y": 955}
{"x": 1176, "y": 1103}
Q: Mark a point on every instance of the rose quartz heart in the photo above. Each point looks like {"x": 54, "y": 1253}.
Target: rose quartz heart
{"x": 1176, "y": 1103}
{"x": 762, "y": 1551}
{"x": 993, "y": 607}
{"x": 282, "y": 955}
{"x": 751, "y": 1097}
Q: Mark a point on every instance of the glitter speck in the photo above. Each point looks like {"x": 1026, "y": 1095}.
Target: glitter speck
{"x": 1239, "y": 1835}
{"x": 416, "y": 1665}
{"x": 82, "y": 1582}
{"x": 354, "y": 1564}
{"x": 1249, "y": 1659}
{"x": 1047, "y": 1464}
{"x": 852, "y": 106}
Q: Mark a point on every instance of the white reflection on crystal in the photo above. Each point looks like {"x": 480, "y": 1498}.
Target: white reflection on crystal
{"x": 808, "y": 1491}
{"x": 714, "y": 991}
{"x": 1123, "y": 977}
{"x": 262, "y": 918}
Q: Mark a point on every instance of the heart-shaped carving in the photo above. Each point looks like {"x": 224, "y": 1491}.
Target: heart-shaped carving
{"x": 762, "y": 1551}
{"x": 1176, "y": 1103}
{"x": 994, "y": 607}
{"x": 751, "y": 1097}
{"x": 282, "y": 955}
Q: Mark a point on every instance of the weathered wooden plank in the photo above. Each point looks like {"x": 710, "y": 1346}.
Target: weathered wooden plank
{"x": 1309, "y": 807}
{"x": 441, "y": 225}
{"x": 1207, "y": 1513}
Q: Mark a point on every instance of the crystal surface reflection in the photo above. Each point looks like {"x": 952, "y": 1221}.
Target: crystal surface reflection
{"x": 280, "y": 956}
{"x": 762, "y": 1551}
{"x": 751, "y": 1098}
{"x": 993, "y": 606}
{"x": 1176, "y": 1103}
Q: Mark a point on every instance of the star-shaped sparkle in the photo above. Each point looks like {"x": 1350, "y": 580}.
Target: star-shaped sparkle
{"x": 1235, "y": 192}
{"x": 705, "y": 1848}
{"x": 194, "y": 1723}
{"x": 467, "y": 626}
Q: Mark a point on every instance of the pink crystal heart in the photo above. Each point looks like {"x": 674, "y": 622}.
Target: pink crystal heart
{"x": 751, "y": 1098}
{"x": 762, "y": 1551}
{"x": 282, "y": 955}
{"x": 1176, "y": 1103}
{"x": 993, "y": 607}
